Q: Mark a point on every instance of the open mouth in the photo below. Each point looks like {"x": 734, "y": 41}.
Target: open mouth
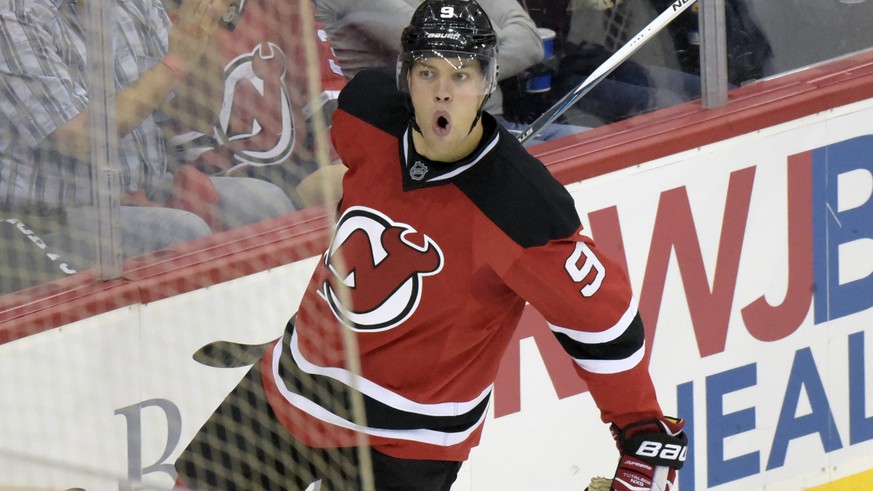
{"x": 442, "y": 125}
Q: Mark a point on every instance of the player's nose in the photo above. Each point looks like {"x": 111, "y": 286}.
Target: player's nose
{"x": 443, "y": 91}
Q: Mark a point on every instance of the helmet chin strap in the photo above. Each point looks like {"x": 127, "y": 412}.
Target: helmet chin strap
{"x": 412, "y": 120}
{"x": 479, "y": 112}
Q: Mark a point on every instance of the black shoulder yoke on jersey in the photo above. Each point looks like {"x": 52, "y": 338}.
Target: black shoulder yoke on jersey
{"x": 511, "y": 187}
{"x": 518, "y": 193}
{"x": 372, "y": 97}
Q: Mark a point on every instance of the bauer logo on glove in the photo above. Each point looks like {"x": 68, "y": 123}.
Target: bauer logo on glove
{"x": 651, "y": 454}
{"x": 658, "y": 449}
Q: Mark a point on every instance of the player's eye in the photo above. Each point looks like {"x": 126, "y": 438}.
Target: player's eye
{"x": 461, "y": 76}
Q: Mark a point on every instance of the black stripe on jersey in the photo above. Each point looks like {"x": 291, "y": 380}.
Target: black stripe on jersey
{"x": 334, "y": 396}
{"x": 516, "y": 192}
{"x": 620, "y": 348}
{"x": 372, "y": 97}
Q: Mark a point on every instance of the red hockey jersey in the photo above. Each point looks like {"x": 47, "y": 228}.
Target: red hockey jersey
{"x": 430, "y": 267}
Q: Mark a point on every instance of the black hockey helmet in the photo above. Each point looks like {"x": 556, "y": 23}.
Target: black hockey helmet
{"x": 449, "y": 29}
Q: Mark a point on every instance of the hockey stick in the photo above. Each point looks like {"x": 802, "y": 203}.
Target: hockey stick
{"x": 611, "y": 63}
{"x": 230, "y": 354}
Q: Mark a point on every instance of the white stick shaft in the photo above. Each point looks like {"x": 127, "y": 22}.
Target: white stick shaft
{"x": 660, "y": 479}
{"x": 611, "y": 63}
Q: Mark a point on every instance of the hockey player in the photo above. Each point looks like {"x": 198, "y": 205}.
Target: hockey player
{"x": 446, "y": 228}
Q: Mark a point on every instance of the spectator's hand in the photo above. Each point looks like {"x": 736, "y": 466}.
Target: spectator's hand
{"x": 194, "y": 29}
{"x": 215, "y": 161}
{"x": 323, "y": 185}
{"x": 651, "y": 454}
{"x": 193, "y": 191}
{"x": 137, "y": 198}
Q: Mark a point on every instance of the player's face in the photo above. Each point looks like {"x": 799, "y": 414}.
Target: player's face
{"x": 446, "y": 95}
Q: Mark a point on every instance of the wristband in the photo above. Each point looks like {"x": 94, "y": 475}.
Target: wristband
{"x": 175, "y": 65}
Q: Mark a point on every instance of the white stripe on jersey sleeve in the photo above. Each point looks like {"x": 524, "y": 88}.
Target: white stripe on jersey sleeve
{"x": 612, "y": 366}
{"x": 603, "y": 336}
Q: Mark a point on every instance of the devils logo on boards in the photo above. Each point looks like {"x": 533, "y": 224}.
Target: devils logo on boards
{"x": 376, "y": 270}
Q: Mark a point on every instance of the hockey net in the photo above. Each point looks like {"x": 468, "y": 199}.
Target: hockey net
{"x": 114, "y": 364}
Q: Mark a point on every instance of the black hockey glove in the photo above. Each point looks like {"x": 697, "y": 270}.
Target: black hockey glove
{"x": 651, "y": 454}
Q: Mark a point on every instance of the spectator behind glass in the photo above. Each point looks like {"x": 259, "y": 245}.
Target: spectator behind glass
{"x": 589, "y": 32}
{"x": 257, "y": 74}
{"x": 748, "y": 50}
{"x": 44, "y": 141}
{"x": 366, "y": 33}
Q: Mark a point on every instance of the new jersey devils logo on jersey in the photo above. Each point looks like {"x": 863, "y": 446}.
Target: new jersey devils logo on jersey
{"x": 256, "y": 120}
{"x": 376, "y": 269}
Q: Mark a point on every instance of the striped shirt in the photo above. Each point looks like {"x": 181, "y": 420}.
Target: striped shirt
{"x": 43, "y": 67}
